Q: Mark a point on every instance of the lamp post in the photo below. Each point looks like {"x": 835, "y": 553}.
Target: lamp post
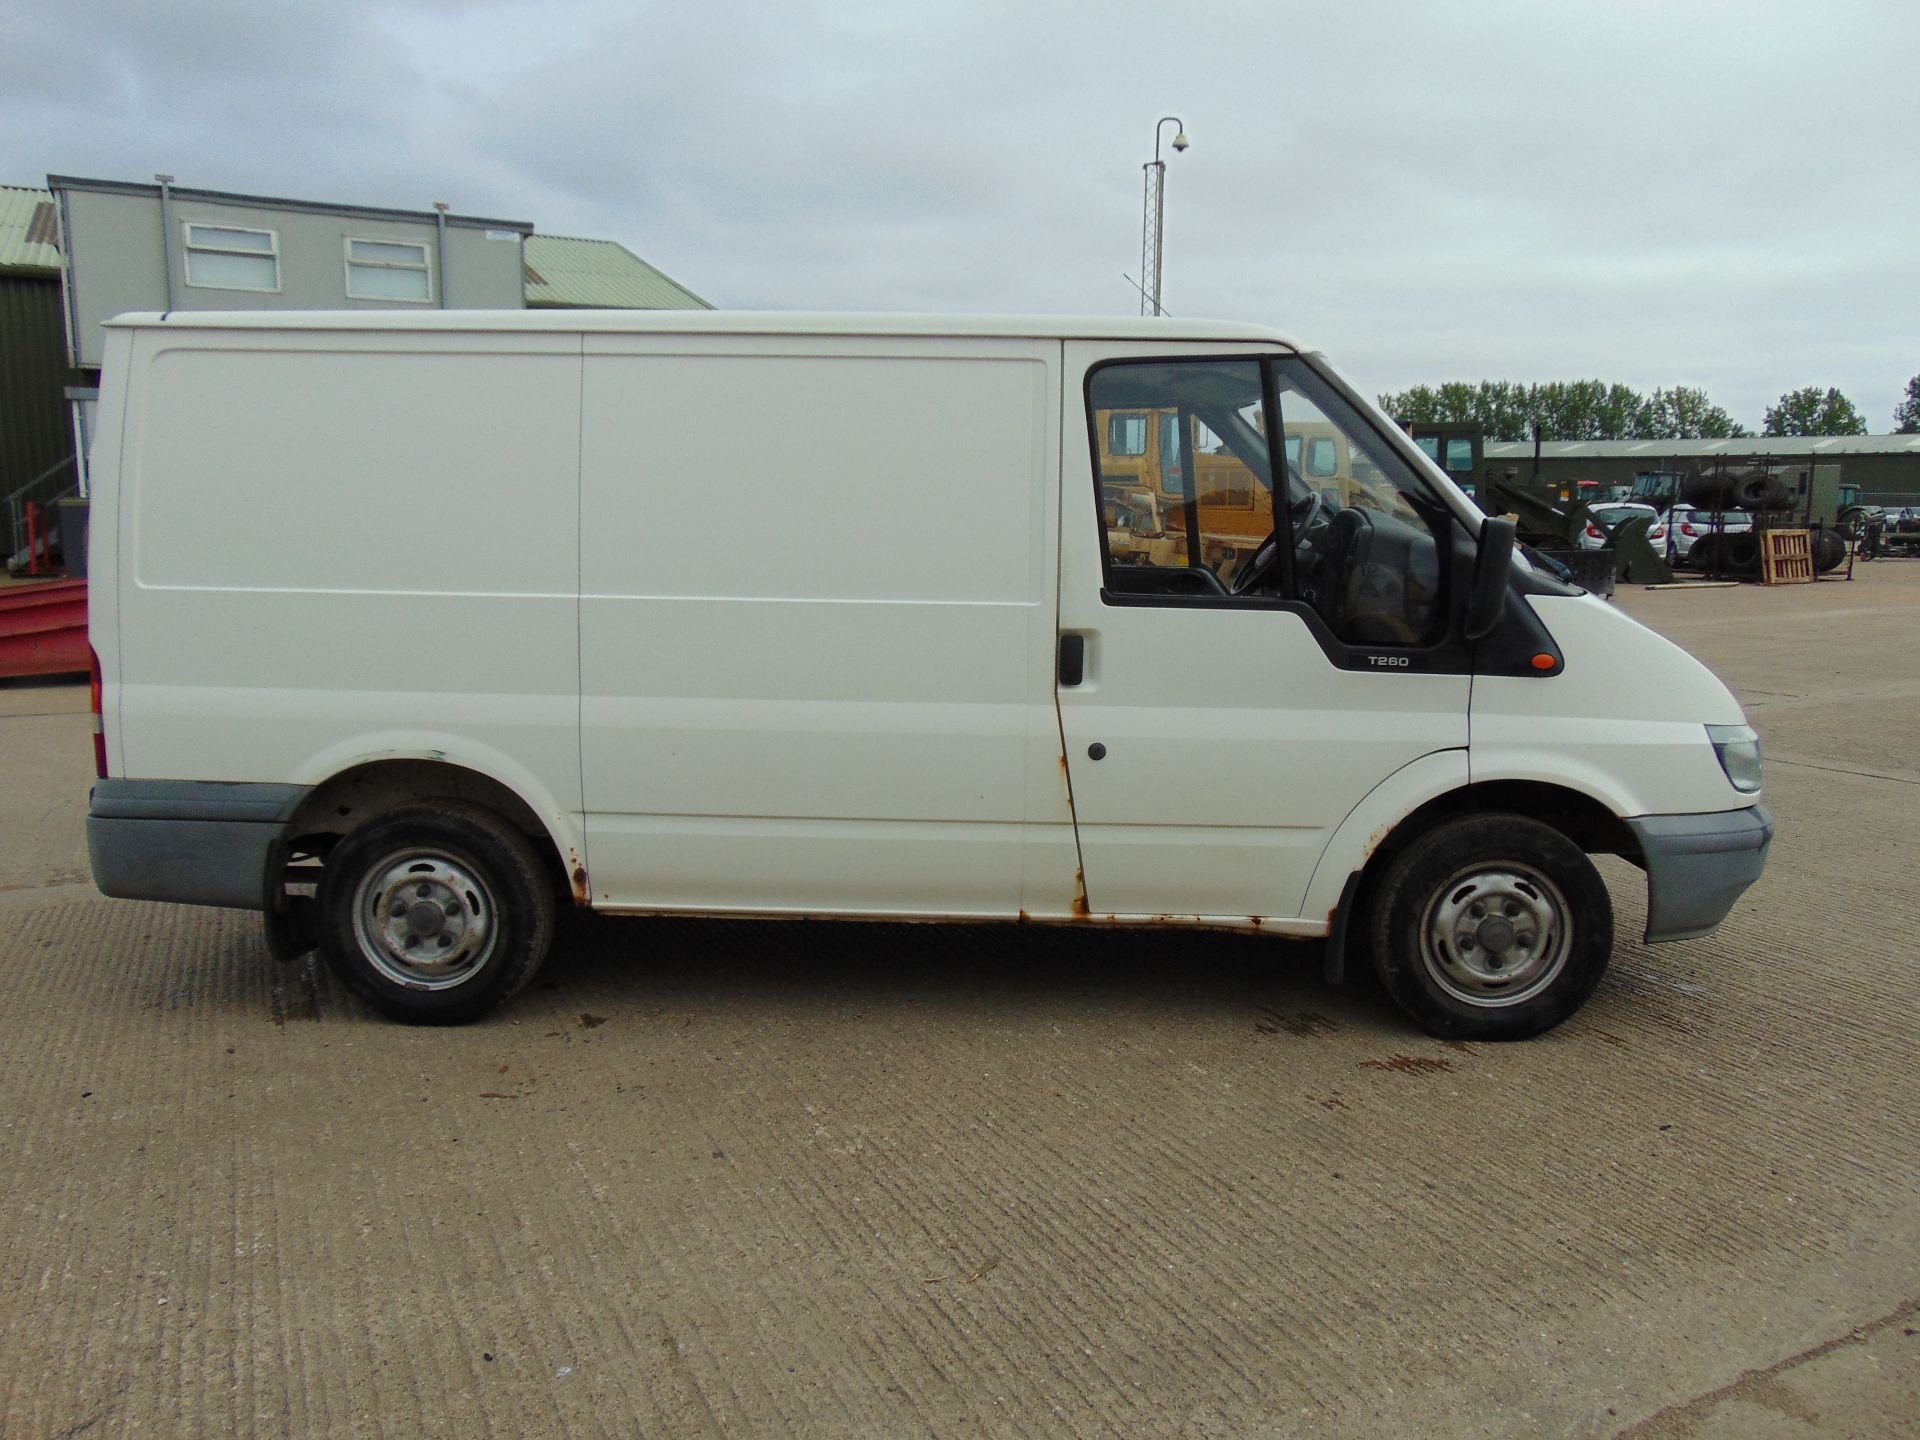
{"x": 166, "y": 232}
{"x": 1153, "y": 213}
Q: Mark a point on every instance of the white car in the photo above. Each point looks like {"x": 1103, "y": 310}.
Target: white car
{"x": 1594, "y": 538}
{"x": 1687, "y": 523}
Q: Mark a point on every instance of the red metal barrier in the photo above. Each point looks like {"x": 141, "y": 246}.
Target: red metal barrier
{"x": 38, "y": 561}
{"x": 43, "y": 628}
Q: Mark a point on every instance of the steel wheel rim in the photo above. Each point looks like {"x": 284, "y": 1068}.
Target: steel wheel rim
{"x": 1496, "y": 934}
{"x": 424, "y": 919}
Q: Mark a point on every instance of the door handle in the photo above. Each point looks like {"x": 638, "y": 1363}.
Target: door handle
{"x": 1073, "y": 660}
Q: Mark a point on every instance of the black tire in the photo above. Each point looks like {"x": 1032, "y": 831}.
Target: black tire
{"x": 1442, "y": 959}
{"x": 1741, "y": 554}
{"x": 1829, "y": 550}
{"x": 1708, "y": 492}
{"x": 447, "y": 881}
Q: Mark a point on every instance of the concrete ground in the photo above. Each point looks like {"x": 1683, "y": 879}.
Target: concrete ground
{"x": 804, "y": 1179}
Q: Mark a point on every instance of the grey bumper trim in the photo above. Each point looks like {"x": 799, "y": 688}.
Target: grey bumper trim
{"x": 195, "y": 800}
{"x": 1698, "y": 865}
{"x": 193, "y": 842}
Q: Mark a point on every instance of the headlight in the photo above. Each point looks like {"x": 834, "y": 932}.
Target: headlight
{"x": 1739, "y": 751}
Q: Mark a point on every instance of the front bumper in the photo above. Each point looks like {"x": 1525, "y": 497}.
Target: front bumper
{"x": 1698, "y": 865}
{"x": 193, "y": 842}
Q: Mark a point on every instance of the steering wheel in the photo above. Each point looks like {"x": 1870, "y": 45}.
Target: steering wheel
{"x": 1265, "y": 561}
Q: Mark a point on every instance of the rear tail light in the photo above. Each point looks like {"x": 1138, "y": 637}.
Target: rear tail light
{"x": 99, "y": 723}
{"x": 1659, "y": 532}
{"x": 1687, "y": 529}
{"x": 1593, "y": 532}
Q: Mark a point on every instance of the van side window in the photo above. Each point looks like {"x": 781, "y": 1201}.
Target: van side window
{"x": 1368, "y": 557}
{"x": 1185, "y": 523}
{"x": 1357, "y": 538}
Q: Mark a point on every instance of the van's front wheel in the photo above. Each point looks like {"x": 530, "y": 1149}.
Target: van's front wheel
{"x": 434, "y": 914}
{"x": 1491, "y": 927}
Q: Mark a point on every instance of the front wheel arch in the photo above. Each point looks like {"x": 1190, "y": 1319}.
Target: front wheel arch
{"x": 1489, "y": 926}
{"x": 1582, "y": 819}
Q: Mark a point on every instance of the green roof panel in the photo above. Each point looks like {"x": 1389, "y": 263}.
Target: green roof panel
{"x": 29, "y": 235}
{"x": 570, "y": 274}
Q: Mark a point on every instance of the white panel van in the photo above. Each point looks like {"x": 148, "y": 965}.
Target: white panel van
{"x": 411, "y": 628}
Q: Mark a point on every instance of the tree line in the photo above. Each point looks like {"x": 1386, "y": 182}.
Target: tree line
{"x": 1595, "y": 410}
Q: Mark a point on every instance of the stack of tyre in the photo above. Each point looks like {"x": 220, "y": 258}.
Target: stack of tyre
{"x": 1755, "y": 491}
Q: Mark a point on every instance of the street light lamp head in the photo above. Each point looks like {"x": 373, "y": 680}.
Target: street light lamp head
{"x": 1180, "y": 141}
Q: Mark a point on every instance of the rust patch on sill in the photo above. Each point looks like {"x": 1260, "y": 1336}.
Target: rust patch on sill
{"x": 1080, "y": 910}
{"x": 582, "y": 892}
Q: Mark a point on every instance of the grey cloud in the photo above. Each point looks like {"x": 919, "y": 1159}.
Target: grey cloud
{"x": 1709, "y": 193}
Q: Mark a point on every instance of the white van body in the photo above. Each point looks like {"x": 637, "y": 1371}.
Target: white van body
{"x": 828, "y": 616}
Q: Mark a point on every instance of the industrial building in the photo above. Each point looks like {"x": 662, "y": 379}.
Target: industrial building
{"x": 36, "y": 440}
{"x": 1883, "y": 469}
{"x": 83, "y": 250}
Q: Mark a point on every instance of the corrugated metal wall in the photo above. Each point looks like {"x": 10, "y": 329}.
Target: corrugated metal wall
{"x": 36, "y": 429}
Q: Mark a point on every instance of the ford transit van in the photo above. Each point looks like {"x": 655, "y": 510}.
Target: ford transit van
{"x": 412, "y": 628}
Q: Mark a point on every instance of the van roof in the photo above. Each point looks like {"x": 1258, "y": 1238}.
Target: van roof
{"x": 716, "y": 322}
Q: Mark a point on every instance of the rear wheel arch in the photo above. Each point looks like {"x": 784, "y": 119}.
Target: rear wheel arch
{"x": 363, "y": 793}
{"x": 435, "y": 912}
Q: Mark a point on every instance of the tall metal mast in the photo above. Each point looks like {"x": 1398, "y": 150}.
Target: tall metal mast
{"x": 1153, "y": 214}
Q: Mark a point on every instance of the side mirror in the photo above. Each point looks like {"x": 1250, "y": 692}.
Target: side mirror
{"x": 1492, "y": 577}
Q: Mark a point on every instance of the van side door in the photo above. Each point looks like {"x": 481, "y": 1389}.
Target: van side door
{"x": 816, "y": 624}
{"x": 1244, "y": 676}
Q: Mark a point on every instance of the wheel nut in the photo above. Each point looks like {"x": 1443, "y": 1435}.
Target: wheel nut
{"x": 423, "y": 891}
{"x": 446, "y": 941}
{"x": 399, "y": 909}
{"x": 452, "y": 907}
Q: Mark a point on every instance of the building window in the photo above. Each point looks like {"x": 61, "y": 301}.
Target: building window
{"x": 224, "y": 257}
{"x": 388, "y": 270}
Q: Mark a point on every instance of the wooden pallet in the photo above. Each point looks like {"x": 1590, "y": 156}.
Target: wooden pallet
{"x": 1786, "y": 557}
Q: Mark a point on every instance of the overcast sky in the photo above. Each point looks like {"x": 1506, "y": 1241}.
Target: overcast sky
{"x": 1651, "y": 191}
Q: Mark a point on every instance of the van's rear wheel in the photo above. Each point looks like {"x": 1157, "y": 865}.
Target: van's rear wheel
{"x": 435, "y": 914}
{"x": 1491, "y": 927}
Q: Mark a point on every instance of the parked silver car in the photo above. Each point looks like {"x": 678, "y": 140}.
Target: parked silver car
{"x": 1594, "y": 538}
{"x": 1687, "y": 523}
